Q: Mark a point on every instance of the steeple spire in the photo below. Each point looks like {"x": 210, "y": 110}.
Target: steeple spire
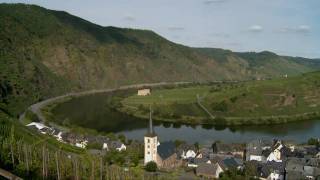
{"x": 150, "y": 122}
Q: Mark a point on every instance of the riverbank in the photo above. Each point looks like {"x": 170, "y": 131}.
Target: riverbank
{"x": 37, "y": 107}
{"x": 277, "y": 101}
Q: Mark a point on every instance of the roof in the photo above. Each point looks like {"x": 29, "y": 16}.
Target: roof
{"x": 222, "y": 147}
{"x": 148, "y": 134}
{"x": 115, "y": 144}
{"x": 254, "y": 148}
{"x": 207, "y": 169}
{"x": 265, "y": 169}
{"x": 166, "y": 149}
{"x": 37, "y": 125}
{"x": 231, "y": 163}
{"x": 198, "y": 160}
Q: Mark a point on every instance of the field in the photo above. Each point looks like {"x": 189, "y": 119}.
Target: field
{"x": 255, "y": 102}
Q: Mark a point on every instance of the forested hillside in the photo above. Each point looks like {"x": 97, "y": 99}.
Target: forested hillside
{"x": 44, "y": 53}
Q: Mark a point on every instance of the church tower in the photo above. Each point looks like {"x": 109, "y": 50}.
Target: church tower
{"x": 150, "y": 143}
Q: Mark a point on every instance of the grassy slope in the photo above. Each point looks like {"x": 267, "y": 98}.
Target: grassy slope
{"x": 257, "y": 101}
{"x": 44, "y": 53}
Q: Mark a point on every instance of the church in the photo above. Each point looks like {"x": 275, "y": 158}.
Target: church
{"x": 164, "y": 154}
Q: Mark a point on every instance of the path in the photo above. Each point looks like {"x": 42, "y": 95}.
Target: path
{"x": 36, "y": 108}
{"x": 8, "y": 175}
{"x": 204, "y": 108}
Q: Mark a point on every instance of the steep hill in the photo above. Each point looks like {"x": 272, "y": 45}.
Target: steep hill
{"x": 44, "y": 53}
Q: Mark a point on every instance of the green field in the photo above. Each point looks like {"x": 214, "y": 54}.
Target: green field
{"x": 256, "y": 102}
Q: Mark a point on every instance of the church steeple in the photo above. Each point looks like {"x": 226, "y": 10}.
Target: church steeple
{"x": 150, "y": 143}
{"x": 151, "y": 131}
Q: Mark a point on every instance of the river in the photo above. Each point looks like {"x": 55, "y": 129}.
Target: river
{"x": 93, "y": 111}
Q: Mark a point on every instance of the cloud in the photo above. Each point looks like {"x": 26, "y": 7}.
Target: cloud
{"x": 304, "y": 29}
{"x": 208, "y": 2}
{"x": 255, "y": 28}
{"x": 220, "y": 35}
{"x": 129, "y": 17}
{"x": 176, "y": 28}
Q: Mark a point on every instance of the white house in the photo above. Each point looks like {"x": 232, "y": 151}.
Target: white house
{"x": 105, "y": 146}
{"x": 82, "y": 144}
{"x": 188, "y": 154}
{"x": 121, "y": 148}
{"x": 275, "y": 175}
{"x": 256, "y": 158}
{"x": 59, "y": 136}
{"x": 144, "y": 92}
{"x": 41, "y": 127}
{"x": 114, "y": 145}
{"x": 276, "y": 154}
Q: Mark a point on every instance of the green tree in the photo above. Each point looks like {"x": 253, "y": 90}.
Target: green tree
{"x": 151, "y": 166}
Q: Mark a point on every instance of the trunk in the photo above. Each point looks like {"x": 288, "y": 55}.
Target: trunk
{"x": 101, "y": 168}
{"x": 12, "y": 155}
{"x": 43, "y": 163}
{"x": 26, "y": 158}
{"x": 47, "y": 163}
{"x": 57, "y": 165}
{"x": 92, "y": 170}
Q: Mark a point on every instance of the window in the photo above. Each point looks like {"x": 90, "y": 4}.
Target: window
{"x": 148, "y": 152}
{"x": 148, "y": 140}
{"x": 148, "y": 146}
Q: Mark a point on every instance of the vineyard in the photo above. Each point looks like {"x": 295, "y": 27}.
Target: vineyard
{"x": 30, "y": 155}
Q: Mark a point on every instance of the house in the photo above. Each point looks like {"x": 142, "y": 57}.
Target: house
{"x": 257, "y": 150}
{"x": 231, "y": 149}
{"x": 58, "y": 136}
{"x": 194, "y": 162}
{"x": 302, "y": 168}
{"x": 204, "y": 152}
{"x": 119, "y": 146}
{"x": 232, "y": 163}
{"x": 144, "y": 92}
{"x": 167, "y": 156}
{"x": 81, "y": 144}
{"x": 268, "y": 170}
{"x": 186, "y": 151}
{"x": 308, "y": 150}
{"x": 43, "y": 129}
{"x": 207, "y": 170}
{"x": 272, "y": 170}
{"x": 279, "y": 152}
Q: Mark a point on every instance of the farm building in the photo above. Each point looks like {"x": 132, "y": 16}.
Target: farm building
{"x": 144, "y": 92}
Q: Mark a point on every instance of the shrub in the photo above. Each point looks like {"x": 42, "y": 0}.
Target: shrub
{"x": 94, "y": 146}
{"x": 222, "y": 106}
{"x": 234, "y": 99}
{"x": 151, "y": 166}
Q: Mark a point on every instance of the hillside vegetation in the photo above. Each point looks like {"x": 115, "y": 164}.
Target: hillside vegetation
{"x": 44, "y": 53}
{"x": 255, "y": 102}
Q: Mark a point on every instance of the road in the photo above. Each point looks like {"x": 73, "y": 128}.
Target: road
{"x": 36, "y": 108}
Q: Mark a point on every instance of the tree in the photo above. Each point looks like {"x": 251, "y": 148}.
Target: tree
{"x": 313, "y": 141}
{"x": 151, "y": 166}
{"x": 196, "y": 145}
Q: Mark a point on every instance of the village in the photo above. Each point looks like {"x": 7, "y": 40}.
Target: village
{"x": 261, "y": 159}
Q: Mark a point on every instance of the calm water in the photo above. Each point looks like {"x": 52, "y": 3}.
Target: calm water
{"x": 94, "y": 112}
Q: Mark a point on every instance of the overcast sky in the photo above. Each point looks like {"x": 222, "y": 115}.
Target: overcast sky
{"x": 287, "y": 27}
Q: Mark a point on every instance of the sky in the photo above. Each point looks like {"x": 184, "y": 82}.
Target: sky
{"x": 287, "y": 27}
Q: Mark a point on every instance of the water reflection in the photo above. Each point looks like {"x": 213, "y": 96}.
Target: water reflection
{"x": 94, "y": 112}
